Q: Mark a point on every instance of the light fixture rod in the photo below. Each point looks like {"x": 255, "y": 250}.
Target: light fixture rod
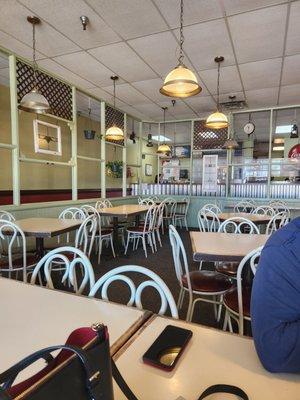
{"x": 218, "y": 60}
{"x": 34, "y": 21}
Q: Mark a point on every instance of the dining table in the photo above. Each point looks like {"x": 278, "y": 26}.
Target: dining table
{"x": 257, "y": 219}
{"x": 219, "y": 246}
{"x": 124, "y": 211}
{"x": 211, "y": 357}
{"x": 34, "y": 317}
{"x": 42, "y": 228}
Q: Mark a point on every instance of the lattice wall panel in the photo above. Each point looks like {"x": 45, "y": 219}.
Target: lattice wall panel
{"x": 57, "y": 93}
{"x": 205, "y": 138}
{"x": 114, "y": 117}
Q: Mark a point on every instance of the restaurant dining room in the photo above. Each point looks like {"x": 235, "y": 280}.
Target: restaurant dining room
{"x": 150, "y": 199}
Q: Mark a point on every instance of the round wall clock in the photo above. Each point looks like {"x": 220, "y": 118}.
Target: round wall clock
{"x": 249, "y": 128}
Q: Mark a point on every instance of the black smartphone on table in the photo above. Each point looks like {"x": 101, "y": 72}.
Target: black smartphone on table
{"x": 166, "y": 350}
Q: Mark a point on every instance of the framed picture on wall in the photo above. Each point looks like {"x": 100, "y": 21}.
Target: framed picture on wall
{"x": 148, "y": 170}
{"x": 47, "y": 138}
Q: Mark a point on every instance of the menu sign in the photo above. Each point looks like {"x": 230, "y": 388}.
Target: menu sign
{"x": 210, "y": 173}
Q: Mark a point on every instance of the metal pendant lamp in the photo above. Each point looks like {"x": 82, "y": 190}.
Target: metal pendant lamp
{"x": 114, "y": 132}
{"x": 217, "y": 120}
{"x": 34, "y": 101}
{"x": 180, "y": 82}
{"x": 230, "y": 144}
{"x": 164, "y": 148}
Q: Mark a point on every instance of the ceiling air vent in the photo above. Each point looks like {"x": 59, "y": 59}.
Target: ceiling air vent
{"x": 233, "y": 104}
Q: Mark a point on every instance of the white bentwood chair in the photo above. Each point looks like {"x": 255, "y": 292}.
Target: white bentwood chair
{"x": 70, "y": 265}
{"x": 143, "y": 231}
{"x": 277, "y": 221}
{"x": 211, "y": 285}
{"x": 7, "y": 216}
{"x": 169, "y": 212}
{"x": 264, "y": 210}
{"x": 181, "y": 211}
{"x": 118, "y": 274}
{"x": 237, "y": 300}
{"x": 208, "y": 220}
{"x": 11, "y": 237}
{"x": 244, "y": 206}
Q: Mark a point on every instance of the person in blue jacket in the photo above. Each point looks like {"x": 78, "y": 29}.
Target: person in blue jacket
{"x": 275, "y": 301}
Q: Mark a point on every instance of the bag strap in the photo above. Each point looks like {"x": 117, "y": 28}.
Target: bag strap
{"x": 8, "y": 376}
{"x": 121, "y": 382}
{"x": 222, "y": 388}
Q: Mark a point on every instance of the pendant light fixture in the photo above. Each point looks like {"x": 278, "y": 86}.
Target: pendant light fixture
{"x": 174, "y": 157}
{"x": 164, "y": 148}
{"x": 34, "y": 101}
{"x": 230, "y": 144}
{"x": 217, "y": 120}
{"x": 114, "y": 132}
{"x": 181, "y": 81}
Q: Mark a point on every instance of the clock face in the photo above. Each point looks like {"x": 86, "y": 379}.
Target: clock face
{"x": 249, "y": 128}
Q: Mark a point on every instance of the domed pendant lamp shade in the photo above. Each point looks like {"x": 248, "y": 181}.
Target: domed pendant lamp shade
{"x": 114, "y": 132}
{"x": 34, "y": 101}
{"x": 180, "y": 82}
{"x": 217, "y": 120}
{"x": 164, "y": 148}
{"x": 230, "y": 144}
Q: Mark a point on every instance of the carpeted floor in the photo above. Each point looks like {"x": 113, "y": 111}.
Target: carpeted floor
{"x": 161, "y": 263}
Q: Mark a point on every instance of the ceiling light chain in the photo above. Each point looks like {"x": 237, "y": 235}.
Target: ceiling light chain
{"x": 181, "y": 56}
{"x": 164, "y": 148}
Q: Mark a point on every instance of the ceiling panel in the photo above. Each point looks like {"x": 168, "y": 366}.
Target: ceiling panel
{"x": 253, "y": 33}
{"x": 289, "y": 95}
{"x": 150, "y": 88}
{"x": 179, "y": 108}
{"x": 261, "y": 74}
{"x": 241, "y": 6}
{"x": 128, "y": 94}
{"x": 157, "y": 50}
{"x": 225, "y": 97}
{"x": 3, "y": 61}
{"x": 65, "y": 74}
{"x": 65, "y": 17}
{"x": 152, "y": 110}
{"x": 203, "y": 42}
{"x": 17, "y": 47}
{"x": 229, "y": 79}
{"x": 121, "y": 59}
{"x": 87, "y": 67}
{"x": 262, "y": 97}
{"x": 102, "y": 94}
{"x": 292, "y": 41}
{"x": 48, "y": 40}
{"x": 193, "y": 12}
{"x": 130, "y": 18}
{"x": 291, "y": 70}
{"x": 201, "y": 104}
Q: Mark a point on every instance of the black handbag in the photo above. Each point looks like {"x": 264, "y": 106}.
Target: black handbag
{"x": 85, "y": 374}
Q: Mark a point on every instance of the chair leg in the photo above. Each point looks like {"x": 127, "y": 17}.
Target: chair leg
{"x": 128, "y": 238}
{"x": 158, "y": 237}
{"x": 144, "y": 246}
{"x": 99, "y": 250}
{"x": 215, "y": 307}
{"x": 190, "y": 307}
{"x": 112, "y": 246}
{"x": 225, "y": 323}
{"x": 154, "y": 240}
{"x": 186, "y": 225}
{"x": 150, "y": 241}
{"x": 180, "y": 298}
{"x": 220, "y": 309}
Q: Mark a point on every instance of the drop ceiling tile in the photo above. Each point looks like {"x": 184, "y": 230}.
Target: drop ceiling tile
{"x": 150, "y": 109}
{"x": 229, "y": 79}
{"x": 289, "y": 95}
{"x": 158, "y": 50}
{"x": 203, "y": 42}
{"x": 291, "y": 70}
{"x": 150, "y": 88}
{"x": 101, "y": 94}
{"x": 225, "y": 97}
{"x": 48, "y": 41}
{"x": 258, "y": 35}
{"x": 4, "y": 81}
{"x": 193, "y": 13}
{"x": 180, "y": 107}
{"x": 240, "y": 6}
{"x": 65, "y": 17}
{"x": 17, "y": 47}
{"x": 128, "y": 94}
{"x": 130, "y": 18}
{"x": 65, "y": 74}
{"x": 121, "y": 59}
{"x": 4, "y": 72}
{"x": 293, "y": 34}
{"x": 261, "y": 74}
{"x": 262, "y": 97}
{"x": 87, "y": 67}
{"x": 201, "y": 104}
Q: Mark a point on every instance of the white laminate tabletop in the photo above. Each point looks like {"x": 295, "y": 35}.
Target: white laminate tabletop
{"x": 33, "y": 317}
{"x": 219, "y": 246}
{"x": 211, "y": 357}
{"x": 47, "y": 227}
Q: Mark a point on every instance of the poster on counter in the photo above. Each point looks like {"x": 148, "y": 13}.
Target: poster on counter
{"x": 210, "y": 173}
